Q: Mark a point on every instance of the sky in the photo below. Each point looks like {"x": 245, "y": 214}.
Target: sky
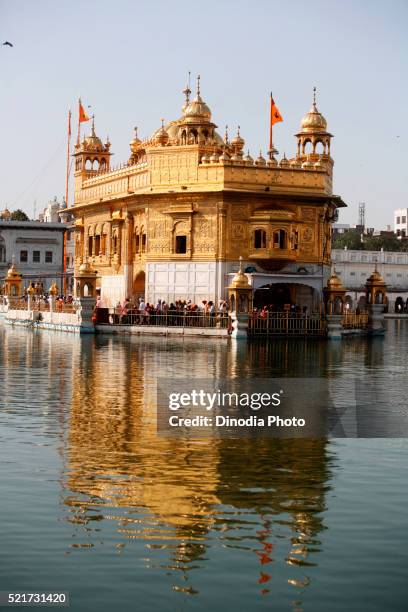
{"x": 129, "y": 61}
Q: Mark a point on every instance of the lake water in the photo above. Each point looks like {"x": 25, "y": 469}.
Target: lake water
{"x": 94, "y": 502}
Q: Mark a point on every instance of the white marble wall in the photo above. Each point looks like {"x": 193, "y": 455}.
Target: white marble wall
{"x": 113, "y": 289}
{"x": 172, "y": 281}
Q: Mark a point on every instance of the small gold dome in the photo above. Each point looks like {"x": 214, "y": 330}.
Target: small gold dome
{"x": 284, "y": 162}
{"x": 375, "y": 278}
{"x": 260, "y": 160}
{"x": 249, "y": 160}
{"x": 313, "y": 121}
{"x": 161, "y": 137}
{"x": 12, "y": 272}
{"x": 240, "y": 280}
{"x": 238, "y": 142}
{"x": 334, "y": 283}
{"x": 135, "y": 143}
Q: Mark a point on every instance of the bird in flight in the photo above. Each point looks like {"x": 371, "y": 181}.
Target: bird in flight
{"x": 7, "y": 43}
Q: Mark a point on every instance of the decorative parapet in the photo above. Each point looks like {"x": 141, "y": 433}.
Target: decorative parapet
{"x": 175, "y": 168}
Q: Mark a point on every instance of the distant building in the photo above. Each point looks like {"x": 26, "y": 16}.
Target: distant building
{"x": 341, "y": 228}
{"x": 37, "y": 248}
{"x": 56, "y": 212}
{"x": 400, "y": 222}
{"x": 354, "y": 267}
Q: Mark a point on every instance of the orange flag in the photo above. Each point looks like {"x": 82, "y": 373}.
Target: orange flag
{"x": 275, "y": 114}
{"x": 82, "y": 113}
{"x": 276, "y": 117}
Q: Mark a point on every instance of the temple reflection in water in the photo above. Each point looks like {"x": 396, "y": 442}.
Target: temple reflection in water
{"x": 185, "y": 507}
{"x": 179, "y": 494}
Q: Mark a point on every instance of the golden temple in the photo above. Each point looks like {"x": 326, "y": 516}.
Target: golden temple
{"x": 172, "y": 221}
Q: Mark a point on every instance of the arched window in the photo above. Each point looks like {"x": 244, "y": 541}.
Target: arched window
{"x": 279, "y": 239}
{"x": 143, "y": 243}
{"x": 307, "y": 147}
{"x": 181, "y": 244}
{"x": 319, "y": 148}
{"x": 88, "y": 164}
{"x": 259, "y": 239}
{"x": 103, "y": 244}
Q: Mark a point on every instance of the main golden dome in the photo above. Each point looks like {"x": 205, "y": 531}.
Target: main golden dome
{"x": 197, "y": 108}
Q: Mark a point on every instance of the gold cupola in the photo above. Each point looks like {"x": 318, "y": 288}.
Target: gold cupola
{"x": 375, "y": 288}
{"x": 13, "y": 282}
{"x": 92, "y": 142}
{"x": 313, "y": 138}
{"x": 334, "y": 295}
{"x": 92, "y": 156}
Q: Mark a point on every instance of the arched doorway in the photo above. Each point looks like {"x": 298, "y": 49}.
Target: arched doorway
{"x": 139, "y": 284}
{"x": 276, "y": 295}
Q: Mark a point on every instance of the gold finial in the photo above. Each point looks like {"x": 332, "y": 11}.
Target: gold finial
{"x": 162, "y": 120}
{"x": 93, "y": 125}
{"x": 314, "y": 96}
{"x": 135, "y": 128}
{"x": 226, "y": 135}
{"x": 238, "y": 134}
{"x": 241, "y": 259}
{"x": 187, "y": 90}
{"x": 198, "y": 84}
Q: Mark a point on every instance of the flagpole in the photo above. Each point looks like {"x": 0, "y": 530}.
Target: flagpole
{"x": 68, "y": 157}
{"x": 79, "y": 123}
{"x": 66, "y": 201}
{"x": 270, "y": 129}
{"x": 272, "y": 149}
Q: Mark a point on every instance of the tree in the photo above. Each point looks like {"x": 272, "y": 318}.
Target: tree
{"x": 19, "y": 215}
{"x": 376, "y": 243}
{"x": 350, "y": 239}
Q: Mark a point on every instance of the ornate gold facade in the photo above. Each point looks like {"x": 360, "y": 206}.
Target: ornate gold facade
{"x": 173, "y": 220}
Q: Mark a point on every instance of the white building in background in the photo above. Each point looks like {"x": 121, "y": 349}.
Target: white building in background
{"x": 37, "y": 248}
{"x": 354, "y": 267}
{"x": 57, "y": 212}
{"x": 401, "y": 222}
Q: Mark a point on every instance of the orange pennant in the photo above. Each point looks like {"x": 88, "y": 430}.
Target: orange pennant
{"x": 82, "y": 113}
